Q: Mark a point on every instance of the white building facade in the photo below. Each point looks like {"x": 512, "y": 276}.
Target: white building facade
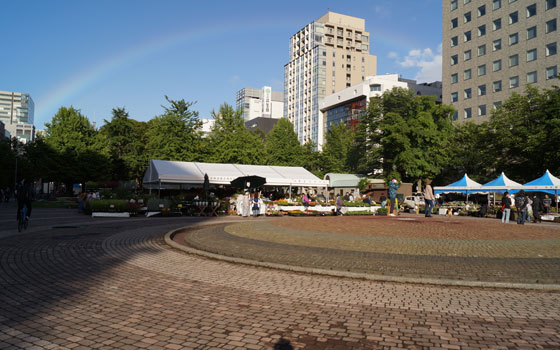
{"x": 260, "y": 103}
{"x": 17, "y": 112}
{"x": 348, "y": 105}
{"x": 326, "y": 56}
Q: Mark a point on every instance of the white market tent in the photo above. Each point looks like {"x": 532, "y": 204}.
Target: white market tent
{"x": 165, "y": 174}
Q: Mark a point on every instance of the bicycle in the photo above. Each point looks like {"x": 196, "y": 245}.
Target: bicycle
{"x": 23, "y": 221}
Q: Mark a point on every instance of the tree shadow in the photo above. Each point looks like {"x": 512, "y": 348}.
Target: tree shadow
{"x": 283, "y": 344}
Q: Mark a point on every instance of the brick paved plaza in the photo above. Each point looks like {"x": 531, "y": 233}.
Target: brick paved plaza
{"x": 72, "y": 282}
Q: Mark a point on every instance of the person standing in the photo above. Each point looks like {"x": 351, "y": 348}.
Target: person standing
{"x": 339, "y": 205}
{"x": 521, "y": 206}
{"x": 547, "y": 203}
{"x": 256, "y": 204}
{"x": 429, "y": 198}
{"x": 393, "y": 187}
{"x": 506, "y": 208}
{"x": 246, "y": 201}
{"x": 537, "y": 209}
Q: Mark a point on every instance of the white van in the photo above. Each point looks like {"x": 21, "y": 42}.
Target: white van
{"x": 417, "y": 199}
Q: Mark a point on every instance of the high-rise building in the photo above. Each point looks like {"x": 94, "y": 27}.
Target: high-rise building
{"x": 348, "y": 105}
{"x": 17, "y": 113}
{"x": 260, "y": 103}
{"x": 492, "y": 48}
{"x": 326, "y": 56}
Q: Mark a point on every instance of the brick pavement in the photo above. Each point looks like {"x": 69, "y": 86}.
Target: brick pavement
{"x": 117, "y": 285}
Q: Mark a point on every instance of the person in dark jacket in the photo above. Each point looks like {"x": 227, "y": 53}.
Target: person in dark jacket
{"x": 521, "y": 206}
{"x": 538, "y": 208}
{"x": 506, "y": 204}
{"x": 547, "y": 202}
{"x": 393, "y": 187}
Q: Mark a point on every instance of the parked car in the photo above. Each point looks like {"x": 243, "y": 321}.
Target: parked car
{"x": 414, "y": 201}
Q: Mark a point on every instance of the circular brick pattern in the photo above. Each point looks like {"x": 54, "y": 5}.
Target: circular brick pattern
{"x": 115, "y": 284}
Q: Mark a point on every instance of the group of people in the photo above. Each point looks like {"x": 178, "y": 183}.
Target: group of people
{"x": 250, "y": 204}
{"x": 524, "y": 206}
{"x": 6, "y": 194}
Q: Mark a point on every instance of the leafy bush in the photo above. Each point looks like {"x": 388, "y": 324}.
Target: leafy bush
{"x": 108, "y": 205}
{"x": 360, "y": 212}
{"x": 157, "y": 204}
{"x": 382, "y": 211}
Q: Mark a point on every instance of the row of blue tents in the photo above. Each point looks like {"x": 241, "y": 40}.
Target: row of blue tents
{"x": 547, "y": 183}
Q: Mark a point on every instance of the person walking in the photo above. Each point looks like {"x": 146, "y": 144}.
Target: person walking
{"x": 429, "y": 198}
{"x": 521, "y": 206}
{"x": 506, "y": 208}
{"x": 393, "y": 187}
{"x": 537, "y": 209}
{"x": 339, "y": 205}
{"x": 246, "y": 204}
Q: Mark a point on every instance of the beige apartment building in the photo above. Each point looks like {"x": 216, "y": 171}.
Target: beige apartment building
{"x": 326, "y": 56}
{"x": 492, "y": 48}
{"x": 17, "y": 112}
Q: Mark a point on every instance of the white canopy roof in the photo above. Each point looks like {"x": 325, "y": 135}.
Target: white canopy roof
{"x": 168, "y": 173}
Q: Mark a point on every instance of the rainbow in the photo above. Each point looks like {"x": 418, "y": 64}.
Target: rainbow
{"x": 79, "y": 83}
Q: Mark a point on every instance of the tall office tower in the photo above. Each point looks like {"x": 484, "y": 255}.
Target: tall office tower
{"x": 492, "y": 48}
{"x": 260, "y": 103}
{"x": 17, "y": 112}
{"x": 326, "y": 56}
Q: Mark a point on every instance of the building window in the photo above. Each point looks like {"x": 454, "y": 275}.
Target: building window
{"x": 512, "y": 1}
{"x": 454, "y": 116}
{"x": 532, "y": 77}
{"x": 481, "y": 10}
{"x": 468, "y": 113}
{"x": 497, "y": 24}
{"x": 550, "y": 4}
{"x": 375, "y": 87}
{"x": 467, "y": 74}
{"x": 513, "y": 60}
{"x": 550, "y": 26}
{"x": 482, "y": 70}
{"x": 482, "y": 110}
{"x": 481, "y": 90}
{"x": 453, "y": 5}
{"x": 497, "y": 45}
{"x": 531, "y": 55}
{"x": 551, "y": 72}
{"x": 454, "y": 60}
{"x": 467, "y": 17}
{"x": 454, "y": 97}
{"x": 454, "y": 78}
{"x": 454, "y": 23}
{"x": 551, "y": 49}
{"x": 513, "y": 17}
{"x": 467, "y": 36}
{"x": 482, "y": 50}
{"x": 468, "y": 55}
{"x": 496, "y": 4}
{"x": 513, "y": 82}
{"x": 497, "y": 86}
{"x": 531, "y": 10}
{"x": 497, "y": 104}
{"x": 482, "y": 30}
{"x": 531, "y": 32}
{"x": 468, "y": 94}
{"x": 454, "y": 41}
{"x": 513, "y": 39}
{"x": 466, "y": 2}
{"x": 497, "y": 65}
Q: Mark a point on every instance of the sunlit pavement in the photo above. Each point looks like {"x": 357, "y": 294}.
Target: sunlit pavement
{"x": 72, "y": 282}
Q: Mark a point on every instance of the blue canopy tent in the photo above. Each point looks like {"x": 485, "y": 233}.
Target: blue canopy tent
{"x": 547, "y": 183}
{"x": 466, "y": 185}
{"x": 501, "y": 184}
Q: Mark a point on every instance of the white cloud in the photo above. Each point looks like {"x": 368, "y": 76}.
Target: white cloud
{"x": 427, "y": 63}
{"x": 393, "y": 55}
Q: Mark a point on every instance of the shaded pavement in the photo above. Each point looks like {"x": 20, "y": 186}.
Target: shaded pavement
{"x": 115, "y": 284}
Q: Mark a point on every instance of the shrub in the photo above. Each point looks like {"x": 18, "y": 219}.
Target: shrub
{"x": 108, "y": 205}
{"x": 382, "y": 211}
{"x": 157, "y": 204}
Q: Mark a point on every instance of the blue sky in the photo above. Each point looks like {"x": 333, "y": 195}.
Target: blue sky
{"x": 97, "y": 55}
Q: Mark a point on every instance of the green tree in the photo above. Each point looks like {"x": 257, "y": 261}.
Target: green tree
{"x": 8, "y": 161}
{"x": 282, "y": 146}
{"x": 81, "y": 153}
{"x": 175, "y": 135}
{"x": 525, "y": 131}
{"x": 337, "y": 149}
{"x": 229, "y": 140}
{"x": 412, "y": 133}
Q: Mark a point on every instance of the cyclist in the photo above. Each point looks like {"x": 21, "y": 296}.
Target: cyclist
{"x": 24, "y": 195}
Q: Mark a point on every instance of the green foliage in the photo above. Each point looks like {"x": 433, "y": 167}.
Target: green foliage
{"x": 231, "y": 142}
{"x": 337, "y": 149}
{"x": 363, "y": 183}
{"x": 175, "y": 135}
{"x": 282, "y": 146}
{"x": 108, "y": 205}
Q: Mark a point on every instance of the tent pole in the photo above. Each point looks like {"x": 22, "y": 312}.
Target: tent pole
{"x": 290, "y": 191}
{"x": 159, "y": 190}
{"x": 556, "y": 199}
